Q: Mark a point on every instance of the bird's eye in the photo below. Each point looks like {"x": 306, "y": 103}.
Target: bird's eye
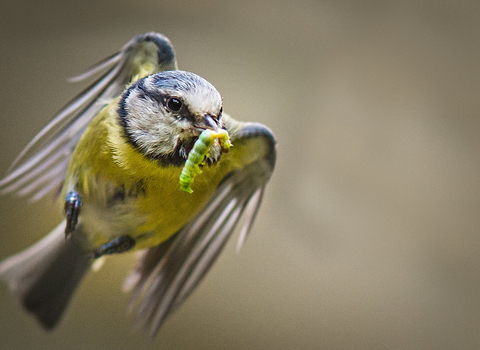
{"x": 174, "y": 104}
{"x": 220, "y": 114}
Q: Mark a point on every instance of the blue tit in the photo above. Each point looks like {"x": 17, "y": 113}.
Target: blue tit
{"x": 113, "y": 157}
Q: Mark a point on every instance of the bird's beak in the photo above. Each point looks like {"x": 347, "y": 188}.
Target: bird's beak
{"x": 207, "y": 123}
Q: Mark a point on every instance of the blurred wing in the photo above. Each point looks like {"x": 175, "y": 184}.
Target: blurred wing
{"x": 168, "y": 273}
{"x": 41, "y": 167}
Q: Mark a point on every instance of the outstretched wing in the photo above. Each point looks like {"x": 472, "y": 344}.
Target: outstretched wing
{"x": 168, "y": 273}
{"x": 41, "y": 167}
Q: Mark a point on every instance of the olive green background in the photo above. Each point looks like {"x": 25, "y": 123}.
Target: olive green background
{"x": 369, "y": 234}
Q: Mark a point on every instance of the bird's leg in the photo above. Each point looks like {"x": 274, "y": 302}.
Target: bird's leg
{"x": 117, "y": 245}
{"x": 73, "y": 204}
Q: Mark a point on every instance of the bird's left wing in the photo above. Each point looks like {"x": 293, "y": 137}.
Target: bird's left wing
{"x": 168, "y": 273}
{"x": 42, "y": 165}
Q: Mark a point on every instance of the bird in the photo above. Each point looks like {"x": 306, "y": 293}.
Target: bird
{"x": 112, "y": 159}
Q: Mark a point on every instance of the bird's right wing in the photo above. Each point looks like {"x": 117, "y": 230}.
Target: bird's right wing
{"x": 168, "y": 273}
{"x": 41, "y": 167}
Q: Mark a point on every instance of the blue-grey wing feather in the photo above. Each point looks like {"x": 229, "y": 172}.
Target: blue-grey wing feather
{"x": 55, "y": 143}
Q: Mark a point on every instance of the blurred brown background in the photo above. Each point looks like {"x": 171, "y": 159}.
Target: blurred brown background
{"x": 369, "y": 236}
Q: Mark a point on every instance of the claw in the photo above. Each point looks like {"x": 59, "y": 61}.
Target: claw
{"x": 117, "y": 245}
{"x": 73, "y": 204}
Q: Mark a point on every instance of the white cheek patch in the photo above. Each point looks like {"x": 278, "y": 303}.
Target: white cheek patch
{"x": 149, "y": 125}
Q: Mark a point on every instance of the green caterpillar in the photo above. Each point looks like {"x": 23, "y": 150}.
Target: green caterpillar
{"x": 197, "y": 155}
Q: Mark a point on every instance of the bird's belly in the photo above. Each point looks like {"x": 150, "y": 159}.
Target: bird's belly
{"x": 149, "y": 217}
{"x": 104, "y": 223}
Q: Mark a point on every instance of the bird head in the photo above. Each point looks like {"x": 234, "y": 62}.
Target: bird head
{"x": 163, "y": 114}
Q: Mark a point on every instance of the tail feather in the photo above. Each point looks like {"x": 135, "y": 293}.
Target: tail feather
{"x": 45, "y": 276}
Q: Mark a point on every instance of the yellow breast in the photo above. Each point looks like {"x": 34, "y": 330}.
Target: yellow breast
{"x": 105, "y": 162}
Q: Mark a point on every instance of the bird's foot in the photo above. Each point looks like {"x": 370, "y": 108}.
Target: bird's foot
{"x": 117, "y": 245}
{"x": 73, "y": 204}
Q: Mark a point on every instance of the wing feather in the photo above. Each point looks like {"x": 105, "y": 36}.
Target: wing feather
{"x": 166, "y": 276}
{"x": 253, "y": 206}
{"x": 98, "y": 67}
{"x": 143, "y": 55}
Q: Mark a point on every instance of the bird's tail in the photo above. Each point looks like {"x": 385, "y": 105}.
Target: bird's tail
{"x": 45, "y": 276}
